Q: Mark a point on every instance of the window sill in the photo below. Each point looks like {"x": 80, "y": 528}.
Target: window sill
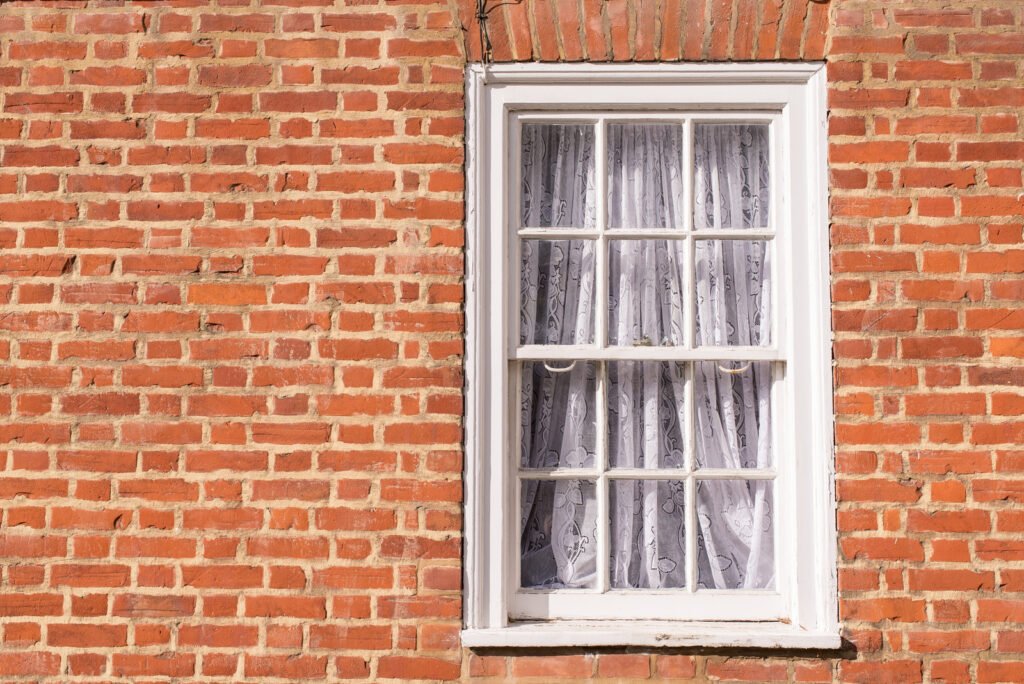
{"x": 649, "y": 634}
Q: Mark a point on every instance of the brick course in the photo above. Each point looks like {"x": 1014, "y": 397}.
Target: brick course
{"x": 231, "y": 328}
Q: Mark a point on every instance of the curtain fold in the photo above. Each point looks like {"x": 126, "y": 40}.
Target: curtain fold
{"x": 731, "y": 191}
{"x": 646, "y": 400}
{"x": 646, "y": 412}
{"x": 558, "y": 519}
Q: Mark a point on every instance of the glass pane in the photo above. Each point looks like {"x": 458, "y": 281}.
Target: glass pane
{"x": 558, "y": 414}
{"x": 732, "y": 176}
{"x": 733, "y": 292}
{"x": 558, "y": 525}
{"x": 646, "y": 414}
{"x": 733, "y": 406}
{"x": 648, "y": 534}
{"x": 556, "y": 286}
{"x": 645, "y": 292}
{"x": 735, "y": 546}
{"x": 645, "y": 179}
{"x": 558, "y": 187}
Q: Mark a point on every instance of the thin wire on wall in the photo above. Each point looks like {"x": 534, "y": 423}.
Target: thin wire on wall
{"x": 483, "y": 12}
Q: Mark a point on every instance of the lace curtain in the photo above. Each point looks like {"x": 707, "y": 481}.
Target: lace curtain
{"x": 646, "y": 414}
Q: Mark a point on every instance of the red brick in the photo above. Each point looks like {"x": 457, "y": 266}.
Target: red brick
{"x": 624, "y": 665}
{"x": 882, "y": 548}
{"x": 87, "y": 636}
{"x": 874, "y": 671}
{"x": 867, "y": 98}
{"x": 354, "y": 637}
{"x": 235, "y": 76}
{"x": 222, "y": 577}
{"x": 168, "y": 665}
{"x": 999, "y": 671}
{"x": 298, "y": 102}
{"x": 998, "y": 44}
{"x": 46, "y": 155}
{"x": 354, "y": 578}
{"x": 30, "y": 663}
{"x": 746, "y": 670}
{"x": 949, "y": 580}
{"x": 869, "y": 152}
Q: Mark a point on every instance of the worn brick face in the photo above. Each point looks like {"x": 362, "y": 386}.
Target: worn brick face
{"x": 231, "y": 333}
{"x": 919, "y": 209}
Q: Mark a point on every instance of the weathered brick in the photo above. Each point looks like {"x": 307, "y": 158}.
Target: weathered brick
{"x": 230, "y": 367}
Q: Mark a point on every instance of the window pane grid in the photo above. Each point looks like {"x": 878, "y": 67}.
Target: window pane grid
{"x": 687, "y": 352}
{"x": 603, "y": 476}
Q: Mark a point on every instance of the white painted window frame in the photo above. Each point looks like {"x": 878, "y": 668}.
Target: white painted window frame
{"x": 803, "y": 610}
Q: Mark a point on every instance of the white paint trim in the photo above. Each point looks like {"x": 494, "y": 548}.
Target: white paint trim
{"x": 472, "y": 559}
{"x": 719, "y": 72}
{"x": 793, "y": 95}
{"x": 825, "y": 503}
{"x": 649, "y": 634}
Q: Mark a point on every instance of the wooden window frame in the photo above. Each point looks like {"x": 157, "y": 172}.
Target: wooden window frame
{"x": 801, "y": 612}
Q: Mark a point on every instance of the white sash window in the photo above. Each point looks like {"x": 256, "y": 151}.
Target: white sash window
{"x": 649, "y": 441}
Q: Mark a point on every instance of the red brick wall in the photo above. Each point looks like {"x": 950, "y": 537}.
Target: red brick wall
{"x": 230, "y": 332}
{"x": 927, "y": 262}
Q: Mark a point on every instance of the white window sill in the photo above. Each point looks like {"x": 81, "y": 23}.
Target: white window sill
{"x": 650, "y": 634}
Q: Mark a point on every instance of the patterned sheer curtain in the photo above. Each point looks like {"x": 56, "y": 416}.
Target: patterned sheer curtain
{"x": 733, "y": 405}
{"x": 558, "y": 425}
{"x": 646, "y": 410}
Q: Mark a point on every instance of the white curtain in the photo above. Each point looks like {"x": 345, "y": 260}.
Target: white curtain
{"x": 646, "y": 413}
{"x": 733, "y": 401}
{"x": 558, "y": 518}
